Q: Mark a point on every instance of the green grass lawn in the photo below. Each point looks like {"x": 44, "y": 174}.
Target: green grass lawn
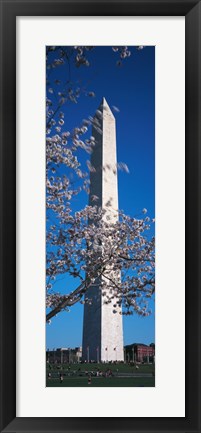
{"x": 124, "y": 368}
{"x": 77, "y": 375}
{"x": 106, "y": 382}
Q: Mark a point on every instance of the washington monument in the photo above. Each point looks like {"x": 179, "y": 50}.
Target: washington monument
{"x": 102, "y": 329}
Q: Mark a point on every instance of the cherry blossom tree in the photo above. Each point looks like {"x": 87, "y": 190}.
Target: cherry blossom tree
{"x": 84, "y": 244}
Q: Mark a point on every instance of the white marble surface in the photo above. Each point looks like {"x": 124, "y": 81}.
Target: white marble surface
{"x": 102, "y": 330}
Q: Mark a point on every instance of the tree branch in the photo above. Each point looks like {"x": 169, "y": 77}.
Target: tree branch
{"x": 68, "y": 301}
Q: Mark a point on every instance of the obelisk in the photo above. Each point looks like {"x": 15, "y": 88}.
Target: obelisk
{"x": 102, "y": 327}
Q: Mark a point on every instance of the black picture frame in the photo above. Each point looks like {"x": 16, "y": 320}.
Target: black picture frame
{"x": 191, "y": 9}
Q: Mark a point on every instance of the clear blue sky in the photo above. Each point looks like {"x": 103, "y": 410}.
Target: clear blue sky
{"x": 131, "y": 88}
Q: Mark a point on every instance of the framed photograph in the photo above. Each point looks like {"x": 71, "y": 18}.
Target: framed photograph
{"x": 100, "y": 135}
